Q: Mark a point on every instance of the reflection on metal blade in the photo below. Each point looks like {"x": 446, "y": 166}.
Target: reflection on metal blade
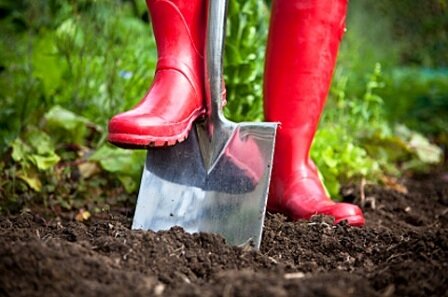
{"x": 217, "y": 180}
{"x": 229, "y": 198}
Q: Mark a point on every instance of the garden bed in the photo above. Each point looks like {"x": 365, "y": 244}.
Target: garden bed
{"x": 402, "y": 251}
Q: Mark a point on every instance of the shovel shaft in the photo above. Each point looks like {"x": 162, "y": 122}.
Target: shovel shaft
{"x": 214, "y": 57}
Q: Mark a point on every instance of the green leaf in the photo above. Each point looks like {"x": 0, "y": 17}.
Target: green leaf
{"x": 45, "y": 162}
{"x": 37, "y": 150}
{"x": 426, "y": 152}
{"x": 47, "y": 64}
{"x": 69, "y": 34}
{"x": 43, "y": 156}
{"x": 419, "y": 145}
{"x": 31, "y": 178}
{"x": 116, "y": 160}
{"x": 19, "y": 150}
{"x": 67, "y": 125}
{"x": 126, "y": 164}
{"x": 40, "y": 141}
{"x": 130, "y": 185}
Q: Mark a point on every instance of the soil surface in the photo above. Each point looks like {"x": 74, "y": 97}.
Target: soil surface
{"x": 402, "y": 251}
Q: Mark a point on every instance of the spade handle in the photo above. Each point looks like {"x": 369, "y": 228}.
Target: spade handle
{"x": 216, "y": 27}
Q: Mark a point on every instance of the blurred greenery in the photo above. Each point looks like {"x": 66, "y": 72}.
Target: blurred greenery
{"x": 247, "y": 28}
{"x": 67, "y": 66}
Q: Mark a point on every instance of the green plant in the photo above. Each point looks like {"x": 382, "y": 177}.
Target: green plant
{"x": 86, "y": 56}
{"x": 356, "y": 141}
{"x": 35, "y": 153}
{"x": 420, "y": 99}
{"x": 244, "y": 52}
{"x": 341, "y": 159}
{"x": 67, "y": 67}
{"x": 65, "y": 166}
{"x": 90, "y": 58}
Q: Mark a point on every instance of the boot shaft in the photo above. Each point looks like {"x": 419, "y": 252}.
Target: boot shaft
{"x": 179, "y": 28}
{"x": 303, "y": 42}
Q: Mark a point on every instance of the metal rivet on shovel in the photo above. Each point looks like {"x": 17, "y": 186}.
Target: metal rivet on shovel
{"x": 218, "y": 179}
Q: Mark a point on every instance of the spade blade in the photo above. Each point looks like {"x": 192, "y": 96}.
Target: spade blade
{"x": 179, "y": 188}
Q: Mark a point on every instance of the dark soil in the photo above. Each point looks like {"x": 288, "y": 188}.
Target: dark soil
{"x": 402, "y": 251}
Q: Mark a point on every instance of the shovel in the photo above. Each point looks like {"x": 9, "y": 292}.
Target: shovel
{"x": 217, "y": 180}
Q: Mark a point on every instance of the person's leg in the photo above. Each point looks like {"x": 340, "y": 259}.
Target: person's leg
{"x": 165, "y": 114}
{"x": 303, "y": 42}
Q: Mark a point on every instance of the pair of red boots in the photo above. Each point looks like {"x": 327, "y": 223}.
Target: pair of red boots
{"x": 303, "y": 43}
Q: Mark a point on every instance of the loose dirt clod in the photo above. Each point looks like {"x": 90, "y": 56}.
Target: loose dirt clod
{"x": 402, "y": 251}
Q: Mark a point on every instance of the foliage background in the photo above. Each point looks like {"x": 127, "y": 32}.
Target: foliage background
{"x": 67, "y": 66}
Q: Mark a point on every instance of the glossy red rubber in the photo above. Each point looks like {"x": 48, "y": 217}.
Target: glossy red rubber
{"x": 166, "y": 113}
{"x": 302, "y": 47}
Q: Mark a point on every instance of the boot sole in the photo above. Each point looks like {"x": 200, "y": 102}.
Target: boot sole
{"x": 354, "y": 221}
{"x": 138, "y": 141}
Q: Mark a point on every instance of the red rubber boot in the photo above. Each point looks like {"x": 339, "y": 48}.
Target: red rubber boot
{"x": 303, "y": 43}
{"x": 166, "y": 113}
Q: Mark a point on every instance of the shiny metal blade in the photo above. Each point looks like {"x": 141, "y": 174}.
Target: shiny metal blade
{"x": 218, "y": 179}
{"x": 229, "y": 198}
